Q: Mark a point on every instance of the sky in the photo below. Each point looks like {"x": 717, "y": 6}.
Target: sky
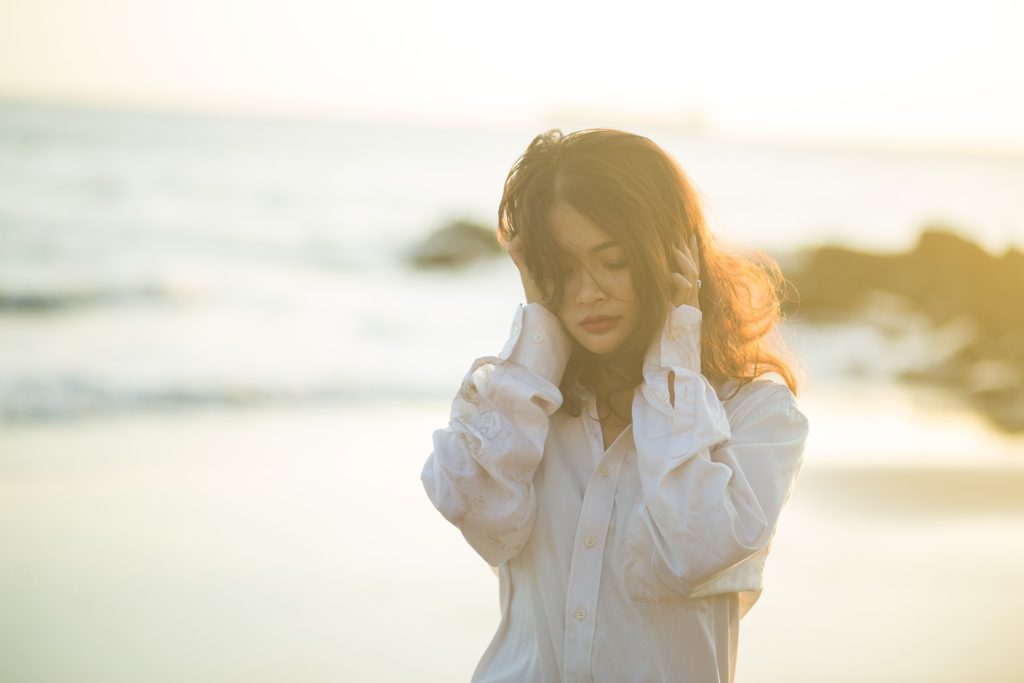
{"x": 905, "y": 71}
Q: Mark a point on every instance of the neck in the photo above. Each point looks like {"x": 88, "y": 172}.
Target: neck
{"x": 614, "y": 401}
{"x": 609, "y": 377}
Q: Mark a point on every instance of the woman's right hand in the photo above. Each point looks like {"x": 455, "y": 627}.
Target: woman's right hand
{"x": 534, "y": 292}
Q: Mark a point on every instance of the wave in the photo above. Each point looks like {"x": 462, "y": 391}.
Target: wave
{"x": 58, "y": 399}
{"x": 50, "y": 301}
{"x": 28, "y": 301}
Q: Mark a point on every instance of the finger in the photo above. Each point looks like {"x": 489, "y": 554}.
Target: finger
{"x": 681, "y": 255}
{"x": 686, "y": 264}
{"x": 681, "y": 283}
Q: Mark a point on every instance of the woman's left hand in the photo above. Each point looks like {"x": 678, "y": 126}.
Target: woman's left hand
{"x": 685, "y": 280}
{"x": 686, "y": 275}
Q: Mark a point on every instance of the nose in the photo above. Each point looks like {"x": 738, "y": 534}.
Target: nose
{"x": 588, "y": 289}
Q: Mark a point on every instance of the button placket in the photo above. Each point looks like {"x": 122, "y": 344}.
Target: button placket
{"x": 585, "y": 568}
{"x": 593, "y": 429}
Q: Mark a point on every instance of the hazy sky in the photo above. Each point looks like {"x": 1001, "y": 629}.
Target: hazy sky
{"x": 877, "y": 69}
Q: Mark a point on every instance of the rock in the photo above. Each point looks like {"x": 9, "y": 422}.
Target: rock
{"x": 945, "y": 275}
{"x": 1004, "y": 408}
{"x": 455, "y": 244}
{"x": 974, "y": 300}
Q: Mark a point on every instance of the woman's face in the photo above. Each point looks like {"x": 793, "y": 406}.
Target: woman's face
{"x": 599, "y": 307}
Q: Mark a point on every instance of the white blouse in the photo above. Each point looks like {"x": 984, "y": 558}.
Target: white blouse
{"x": 631, "y": 564}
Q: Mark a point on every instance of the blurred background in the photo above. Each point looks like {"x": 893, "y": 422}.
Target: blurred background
{"x": 242, "y": 275}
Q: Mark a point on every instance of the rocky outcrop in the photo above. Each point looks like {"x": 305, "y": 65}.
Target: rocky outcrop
{"x": 968, "y": 294}
{"x": 457, "y": 243}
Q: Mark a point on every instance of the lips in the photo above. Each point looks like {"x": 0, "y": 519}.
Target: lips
{"x": 599, "y": 323}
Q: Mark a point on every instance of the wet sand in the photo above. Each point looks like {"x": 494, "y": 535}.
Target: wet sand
{"x": 271, "y": 545}
{"x": 892, "y": 574}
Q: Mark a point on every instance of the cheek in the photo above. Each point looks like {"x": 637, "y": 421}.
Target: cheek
{"x": 624, "y": 287}
{"x": 566, "y": 323}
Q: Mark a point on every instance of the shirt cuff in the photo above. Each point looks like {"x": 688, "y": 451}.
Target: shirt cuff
{"x": 679, "y": 344}
{"x": 539, "y": 342}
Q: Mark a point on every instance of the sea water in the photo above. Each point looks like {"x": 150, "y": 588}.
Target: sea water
{"x": 153, "y": 260}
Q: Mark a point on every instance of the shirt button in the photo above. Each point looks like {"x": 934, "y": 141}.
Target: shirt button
{"x": 662, "y": 395}
{"x": 604, "y": 471}
{"x": 515, "y": 329}
{"x": 538, "y": 338}
{"x": 589, "y": 542}
{"x": 581, "y": 614}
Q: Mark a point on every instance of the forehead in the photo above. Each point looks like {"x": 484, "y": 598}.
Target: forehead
{"x": 574, "y": 231}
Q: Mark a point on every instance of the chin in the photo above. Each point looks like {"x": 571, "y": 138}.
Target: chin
{"x": 600, "y": 346}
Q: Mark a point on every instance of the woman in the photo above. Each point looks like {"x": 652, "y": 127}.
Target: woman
{"x": 624, "y": 460}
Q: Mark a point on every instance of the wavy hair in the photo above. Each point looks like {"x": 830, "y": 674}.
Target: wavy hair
{"x": 638, "y": 194}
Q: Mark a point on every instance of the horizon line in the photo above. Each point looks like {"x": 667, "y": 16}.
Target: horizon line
{"x": 692, "y": 121}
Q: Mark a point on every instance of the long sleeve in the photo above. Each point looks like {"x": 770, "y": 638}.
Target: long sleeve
{"x": 712, "y": 491}
{"x": 480, "y": 473}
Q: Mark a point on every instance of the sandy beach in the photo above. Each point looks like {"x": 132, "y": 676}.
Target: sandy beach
{"x": 272, "y": 545}
{"x": 224, "y": 346}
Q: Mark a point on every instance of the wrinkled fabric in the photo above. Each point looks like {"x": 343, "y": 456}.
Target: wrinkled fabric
{"x": 631, "y": 563}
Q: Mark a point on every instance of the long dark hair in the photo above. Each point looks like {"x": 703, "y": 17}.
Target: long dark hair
{"x": 638, "y": 194}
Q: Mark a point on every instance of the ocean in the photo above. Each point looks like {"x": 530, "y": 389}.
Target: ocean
{"x": 155, "y": 260}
